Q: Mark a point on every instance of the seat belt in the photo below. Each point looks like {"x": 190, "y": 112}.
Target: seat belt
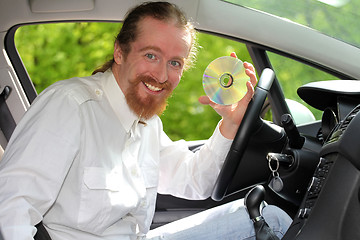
{"x": 7, "y": 122}
{"x": 7, "y": 126}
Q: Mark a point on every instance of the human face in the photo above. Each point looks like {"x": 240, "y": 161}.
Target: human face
{"x": 153, "y": 67}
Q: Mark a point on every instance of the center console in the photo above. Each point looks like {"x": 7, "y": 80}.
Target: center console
{"x": 331, "y": 206}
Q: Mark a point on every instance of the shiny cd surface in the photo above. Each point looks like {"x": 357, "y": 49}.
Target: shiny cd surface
{"x": 224, "y": 80}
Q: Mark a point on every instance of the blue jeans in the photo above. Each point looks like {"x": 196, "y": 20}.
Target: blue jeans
{"x": 226, "y": 222}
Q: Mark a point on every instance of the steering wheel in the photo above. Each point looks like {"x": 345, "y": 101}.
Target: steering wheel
{"x": 247, "y": 127}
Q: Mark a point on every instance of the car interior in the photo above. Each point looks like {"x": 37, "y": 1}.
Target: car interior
{"x": 317, "y": 162}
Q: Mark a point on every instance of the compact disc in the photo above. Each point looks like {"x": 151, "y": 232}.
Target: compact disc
{"x": 224, "y": 80}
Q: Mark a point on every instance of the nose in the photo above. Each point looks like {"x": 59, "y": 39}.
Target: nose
{"x": 161, "y": 73}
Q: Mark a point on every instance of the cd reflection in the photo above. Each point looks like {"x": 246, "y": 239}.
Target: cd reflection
{"x": 224, "y": 80}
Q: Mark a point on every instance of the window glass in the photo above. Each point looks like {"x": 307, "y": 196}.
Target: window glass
{"x": 336, "y": 18}
{"x": 57, "y": 51}
{"x": 293, "y": 74}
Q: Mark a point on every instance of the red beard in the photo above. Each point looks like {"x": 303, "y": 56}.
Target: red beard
{"x": 151, "y": 105}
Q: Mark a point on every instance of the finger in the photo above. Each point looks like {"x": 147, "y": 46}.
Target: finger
{"x": 233, "y": 54}
{"x": 205, "y": 100}
{"x": 250, "y": 71}
{"x": 252, "y": 76}
{"x": 249, "y": 66}
{"x": 250, "y": 92}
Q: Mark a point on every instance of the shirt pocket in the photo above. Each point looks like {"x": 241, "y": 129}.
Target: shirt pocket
{"x": 100, "y": 179}
{"x": 150, "y": 171}
{"x": 150, "y": 176}
{"x": 106, "y": 197}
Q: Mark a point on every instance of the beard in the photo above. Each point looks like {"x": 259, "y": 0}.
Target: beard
{"x": 150, "y": 105}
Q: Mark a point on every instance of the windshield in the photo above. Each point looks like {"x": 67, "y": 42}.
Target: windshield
{"x": 335, "y": 18}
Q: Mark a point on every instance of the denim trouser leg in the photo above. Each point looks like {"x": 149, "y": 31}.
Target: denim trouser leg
{"x": 229, "y": 221}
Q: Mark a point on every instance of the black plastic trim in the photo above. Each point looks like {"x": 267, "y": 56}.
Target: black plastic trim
{"x": 18, "y": 65}
{"x": 7, "y": 122}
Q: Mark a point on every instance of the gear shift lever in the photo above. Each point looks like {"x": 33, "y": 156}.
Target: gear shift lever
{"x": 253, "y": 200}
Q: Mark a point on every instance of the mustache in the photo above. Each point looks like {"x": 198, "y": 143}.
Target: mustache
{"x": 152, "y": 81}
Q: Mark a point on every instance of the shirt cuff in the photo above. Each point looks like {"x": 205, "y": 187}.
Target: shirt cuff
{"x": 219, "y": 144}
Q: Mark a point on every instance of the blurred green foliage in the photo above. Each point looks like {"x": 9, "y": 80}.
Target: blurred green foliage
{"x": 335, "y": 18}
{"x": 57, "y": 51}
{"x": 53, "y": 52}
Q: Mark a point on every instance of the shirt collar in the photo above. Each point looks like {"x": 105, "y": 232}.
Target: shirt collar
{"x": 118, "y": 102}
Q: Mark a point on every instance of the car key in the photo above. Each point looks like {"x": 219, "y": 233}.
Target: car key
{"x": 276, "y": 184}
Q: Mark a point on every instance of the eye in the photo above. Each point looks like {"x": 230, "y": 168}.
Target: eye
{"x": 150, "y": 56}
{"x": 176, "y": 64}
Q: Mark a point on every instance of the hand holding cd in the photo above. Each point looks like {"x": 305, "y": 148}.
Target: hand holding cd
{"x": 232, "y": 112}
{"x": 224, "y": 80}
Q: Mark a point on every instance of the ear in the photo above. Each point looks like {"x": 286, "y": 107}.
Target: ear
{"x": 117, "y": 53}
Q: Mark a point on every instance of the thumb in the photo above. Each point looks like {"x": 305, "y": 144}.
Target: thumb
{"x": 205, "y": 100}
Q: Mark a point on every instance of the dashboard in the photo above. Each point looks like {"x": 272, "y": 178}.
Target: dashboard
{"x": 331, "y": 206}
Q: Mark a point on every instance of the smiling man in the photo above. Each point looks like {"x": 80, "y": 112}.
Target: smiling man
{"x": 90, "y": 155}
{"x": 153, "y": 68}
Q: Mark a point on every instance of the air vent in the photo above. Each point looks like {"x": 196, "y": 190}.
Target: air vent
{"x": 320, "y": 135}
{"x": 336, "y": 134}
{"x": 349, "y": 117}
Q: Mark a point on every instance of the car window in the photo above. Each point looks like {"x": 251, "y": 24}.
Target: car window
{"x": 57, "y": 51}
{"x": 336, "y": 18}
{"x": 292, "y": 74}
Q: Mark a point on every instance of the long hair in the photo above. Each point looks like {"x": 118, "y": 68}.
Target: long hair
{"x": 162, "y": 11}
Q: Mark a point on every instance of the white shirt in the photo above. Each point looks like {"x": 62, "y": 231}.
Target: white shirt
{"x": 80, "y": 161}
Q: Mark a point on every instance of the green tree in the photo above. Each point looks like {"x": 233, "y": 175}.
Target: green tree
{"x": 57, "y": 51}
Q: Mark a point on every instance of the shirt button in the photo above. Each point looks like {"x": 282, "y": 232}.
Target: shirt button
{"x": 98, "y": 92}
{"x": 143, "y": 203}
{"x": 134, "y": 172}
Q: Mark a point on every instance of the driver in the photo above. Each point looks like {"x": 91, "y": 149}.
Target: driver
{"x": 90, "y": 155}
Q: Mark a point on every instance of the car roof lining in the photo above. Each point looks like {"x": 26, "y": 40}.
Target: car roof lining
{"x": 45, "y": 6}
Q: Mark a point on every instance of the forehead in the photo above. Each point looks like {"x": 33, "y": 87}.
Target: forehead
{"x": 167, "y": 36}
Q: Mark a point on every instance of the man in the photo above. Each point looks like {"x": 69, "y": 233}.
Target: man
{"x": 90, "y": 155}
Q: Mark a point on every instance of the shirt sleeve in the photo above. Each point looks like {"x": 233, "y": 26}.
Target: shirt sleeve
{"x": 36, "y": 162}
{"x": 191, "y": 175}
